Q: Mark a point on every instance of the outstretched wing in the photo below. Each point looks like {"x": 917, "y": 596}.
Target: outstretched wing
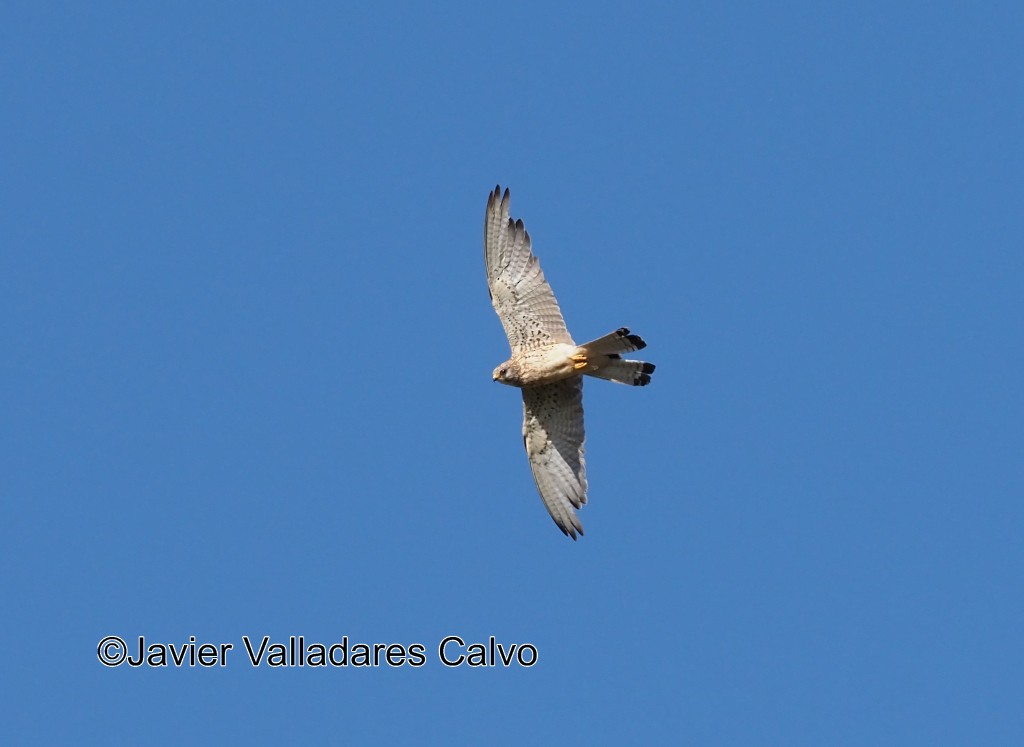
{"x": 553, "y": 436}
{"x": 519, "y": 293}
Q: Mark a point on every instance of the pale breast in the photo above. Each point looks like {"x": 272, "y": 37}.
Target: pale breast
{"x": 547, "y": 364}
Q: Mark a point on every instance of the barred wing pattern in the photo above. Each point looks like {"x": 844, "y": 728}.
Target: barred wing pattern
{"x": 519, "y": 293}
{"x": 553, "y": 436}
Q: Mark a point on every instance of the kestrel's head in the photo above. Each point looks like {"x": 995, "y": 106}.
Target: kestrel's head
{"x": 507, "y": 373}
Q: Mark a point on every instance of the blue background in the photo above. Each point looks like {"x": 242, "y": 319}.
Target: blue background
{"x": 247, "y": 350}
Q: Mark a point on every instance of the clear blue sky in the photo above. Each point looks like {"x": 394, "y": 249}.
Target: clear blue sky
{"x": 247, "y": 348}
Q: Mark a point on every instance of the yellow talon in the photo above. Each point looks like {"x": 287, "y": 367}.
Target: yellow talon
{"x": 579, "y": 361}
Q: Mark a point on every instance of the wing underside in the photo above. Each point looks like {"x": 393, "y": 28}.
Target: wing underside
{"x": 554, "y": 438}
{"x": 520, "y": 294}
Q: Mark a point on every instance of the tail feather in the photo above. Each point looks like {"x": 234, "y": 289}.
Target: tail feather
{"x": 619, "y": 341}
{"x": 614, "y": 368}
{"x": 604, "y": 361}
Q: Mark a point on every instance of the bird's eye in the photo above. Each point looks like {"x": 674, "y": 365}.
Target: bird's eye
{"x": 502, "y": 372}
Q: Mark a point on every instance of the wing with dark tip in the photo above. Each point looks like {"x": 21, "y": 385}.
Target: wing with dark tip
{"x": 519, "y": 293}
{"x": 553, "y": 436}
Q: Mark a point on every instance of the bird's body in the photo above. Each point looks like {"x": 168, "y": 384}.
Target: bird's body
{"x": 547, "y": 365}
{"x": 543, "y": 365}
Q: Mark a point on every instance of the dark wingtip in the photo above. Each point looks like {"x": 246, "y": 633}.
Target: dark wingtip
{"x": 642, "y": 380}
{"x": 496, "y": 196}
{"x": 569, "y": 531}
{"x": 648, "y": 368}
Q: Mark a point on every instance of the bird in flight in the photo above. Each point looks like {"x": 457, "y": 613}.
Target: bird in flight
{"x": 547, "y": 365}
